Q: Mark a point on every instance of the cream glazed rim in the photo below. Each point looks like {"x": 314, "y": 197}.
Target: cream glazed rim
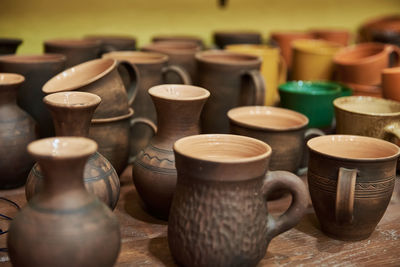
{"x": 11, "y": 78}
{"x": 338, "y": 104}
{"x": 110, "y": 65}
{"x": 179, "y": 92}
{"x": 72, "y": 99}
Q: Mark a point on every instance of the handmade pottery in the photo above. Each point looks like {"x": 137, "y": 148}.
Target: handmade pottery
{"x": 9, "y": 45}
{"x": 63, "y": 225}
{"x": 180, "y": 53}
{"x": 351, "y": 181}
{"x": 365, "y": 90}
{"x": 391, "y": 83}
{"x": 37, "y": 70}
{"x": 363, "y": 63}
{"x": 313, "y": 59}
{"x": 114, "y": 42}
{"x": 273, "y": 67}
{"x": 153, "y": 171}
{"x": 332, "y": 35}
{"x": 376, "y": 25}
{"x": 179, "y": 38}
{"x": 72, "y": 112}
{"x": 284, "y": 41}
{"x": 17, "y": 130}
{"x": 313, "y": 99}
{"x": 244, "y": 86}
{"x": 219, "y": 201}
{"x": 76, "y": 51}
{"x": 368, "y": 116}
{"x": 152, "y": 68}
{"x": 100, "y": 77}
{"x": 223, "y": 38}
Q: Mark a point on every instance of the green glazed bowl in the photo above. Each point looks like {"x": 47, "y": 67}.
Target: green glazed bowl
{"x": 313, "y": 99}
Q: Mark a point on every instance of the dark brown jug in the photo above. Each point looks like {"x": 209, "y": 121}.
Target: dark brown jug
{"x": 224, "y": 38}
{"x": 9, "y": 45}
{"x": 63, "y": 225}
{"x": 17, "y": 130}
{"x": 37, "y": 70}
{"x": 72, "y": 112}
{"x": 153, "y": 172}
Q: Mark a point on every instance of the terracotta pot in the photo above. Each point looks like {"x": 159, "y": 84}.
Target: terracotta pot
{"x": 153, "y": 172}
{"x": 37, "y": 70}
{"x": 76, "y": 51}
{"x": 63, "y": 225}
{"x": 223, "y": 38}
{"x": 9, "y": 45}
{"x": 363, "y": 63}
{"x": 17, "y": 130}
{"x": 391, "y": 83}
{"x": 152, "y": 69}
{"x": 351, "y": 181}
{"x": 100, "y": 77}
{"x": 332, "y": 35}
{"x": 284, "y": 41}
{"x": 379, "y": 24}
{"x": 114, "y": 42}
{"x": 72, "y": 112}
{"x": 219, "y": 201}
{"x": 179, "y": 38}
{"x": 365, "y": 90}
{"x": 244, "y": 86}
{"x": 179, "y": 53}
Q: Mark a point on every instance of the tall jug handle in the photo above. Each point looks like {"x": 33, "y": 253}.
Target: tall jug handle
{"x": 345, "y": 195}
{"x": 394, "y": 53}
{"x": 145, "y": 121}
{"x": 257, "y": 82}
{"x": 278, "y": 180}
{"x": 183, "y": 74}
{"x": 134, "y": 77}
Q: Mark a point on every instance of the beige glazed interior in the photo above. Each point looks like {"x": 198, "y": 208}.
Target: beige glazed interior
{"x": 62, "y": 147}
{"x": 72, "y": 99}
{"x": 367, "y": 105}
{"x": 178, "y": 91}
{"x": 10, "y": 78}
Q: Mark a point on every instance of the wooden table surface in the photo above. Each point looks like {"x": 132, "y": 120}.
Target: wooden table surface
{"x": 144, "y": 238}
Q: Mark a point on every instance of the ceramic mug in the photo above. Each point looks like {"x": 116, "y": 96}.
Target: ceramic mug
{"x": 391, "y": 83}
{"x": 313, "y": 59}
{"x": 332, "y": 35}
{"x": 179, "y": 38}
{"x": 368, "y": 116}
{"x": 351, "y": 181}
{"x": 114, "y": 42}
{"x": 363, "y": 63}
{"x": 273, "y": 67}
{"x": 9, "y": 45}
{"x": 219, "y": 201}
{"x": 224, "y": 38}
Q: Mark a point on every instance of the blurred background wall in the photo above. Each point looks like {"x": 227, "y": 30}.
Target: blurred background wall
{"x": 38, "y": 20}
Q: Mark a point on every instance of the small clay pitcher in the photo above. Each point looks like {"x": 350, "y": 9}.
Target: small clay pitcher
{"x": 220, "y": 201}
{"x": 391, "y": 83}
{"x": 153, "y": 171}
{"x": 363, "y": 63}
{"x": 9, "y": 45}
{"x": 72, "y": 112}
{"x": 245, "y": 85}
{"x": 76, "y": 51}
{"x": 37, "y": 70}
{"x": 368, "y": 116}
{"x": 376, "y": 25}
{"x": 224, "y": 38}
{"x": 100, "y": 77}
{"x": 17, "y": 130}
{"x": 180, "y": 54}
{"x": 351, "y": 181}
{"x": 152, "y": 68}
{"x": 339, "y": 36}
{"x": 114, "y": 42}
{"x": 63, "y": 225}
{"x": 179, "y": 38}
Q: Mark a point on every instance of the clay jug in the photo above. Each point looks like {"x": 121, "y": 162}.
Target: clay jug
{"x": 114, "y": 42}
{"x": 17, "y": 130}
{"x": 178, "y": 112}
{"x": 9, "y": 45}
{"x": 63, "y": 225}
{"x": 72, "y": 112}
{"x": 224, "y": 38}
{"x": 37, "y": 70}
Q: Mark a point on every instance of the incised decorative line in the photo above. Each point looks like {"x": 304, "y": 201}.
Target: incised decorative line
{"x": 155, "y": 169}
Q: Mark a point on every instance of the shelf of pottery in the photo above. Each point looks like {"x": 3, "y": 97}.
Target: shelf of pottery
{"x": 208, "y": 135}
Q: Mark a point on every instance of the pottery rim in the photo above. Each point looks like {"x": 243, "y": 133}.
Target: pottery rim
{"x": 340, "y": 56}
{"x": 109, "y": 63}
{"x": 62, "y": 147}
{"x": 16, "y": 41}
{"x": 233, "y": 58}
{"x": 331, "y": 88}
{"x": 78, "y": 43}
{"x": 338, "y": 103}
{"x": 137, "y": 57}
{"x": 314, "y": 46}
{"x": 110, "y": 37}
{"x": 173, "y": 47}
{"x": 11, "y": 78}
{"x": 394, "y": 70}
{"x": 236, "y": 32}
{"x": 300, "y": 121}
{"x": 176, "y": 37}
{"x": 33, "y": 59}
{"x": 113, "y": 119}
{"x": 180, "y": 92}
{"x": 392, "y": 151}
{"x": 73, "y": 99}
{"x": 260, "y": 49}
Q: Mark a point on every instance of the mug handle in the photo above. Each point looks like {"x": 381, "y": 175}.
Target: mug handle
{"x": 258, "y": 82}
{"x": 394, "y": 50}
{"x": 282, "y": 71}
{"x": 393, "y": 129}
{"x": 134, "y": 77}
{"x": 278, "y": 180}
{"x": 308, "y": 134}
{"x": 345, "y": 195}
{"x": 183, "y": 75}
{"x": 144, "y": 121}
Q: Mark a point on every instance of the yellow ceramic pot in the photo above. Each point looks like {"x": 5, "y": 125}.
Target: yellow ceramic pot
{"x": 273, "y": 67}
